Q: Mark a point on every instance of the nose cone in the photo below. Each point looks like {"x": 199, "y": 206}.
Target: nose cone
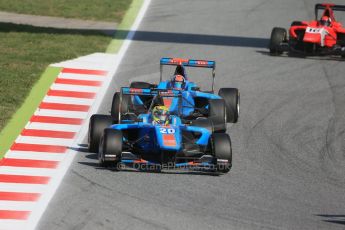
{"x": 168, "y": 137}
{"x": 313, "y": 35}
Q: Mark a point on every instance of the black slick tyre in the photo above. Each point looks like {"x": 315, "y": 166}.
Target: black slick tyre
{"x": 97, "y": 124}
{"x": 221, "y": 146}
{"x": 110, "y": 148}
{"x": 119, "y": 106}
{"x": 217, "y": 114}
{"x": 140, "y": 85}
{"x": 231, "y": 97}
{"x": 278, "y": 36}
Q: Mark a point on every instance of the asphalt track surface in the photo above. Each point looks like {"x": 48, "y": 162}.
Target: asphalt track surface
{"x": 289, "y": 152}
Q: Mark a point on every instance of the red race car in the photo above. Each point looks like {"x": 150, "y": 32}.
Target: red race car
{"x": 324, "y": 36}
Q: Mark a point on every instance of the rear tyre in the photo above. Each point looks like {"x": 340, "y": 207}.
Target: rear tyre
{"x": 97, "y": 124}
{"x": 343, "y": 52}
{"x": 110, "y": 148}
{"x": 217, "y": 114}
{"x": 146, "y": 100}
{"x": 231, "y": 97}
{"x": 297, "y": 23}
{"x": 278, "y": 36}
{"x": 140, "y": 85}
{"x": 221, "y": 145}
{"x": 119, "y": 106}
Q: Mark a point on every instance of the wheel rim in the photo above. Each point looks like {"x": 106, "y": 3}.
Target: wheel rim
{"x": 238, "y": 104}
{"x": 225, "y": 115}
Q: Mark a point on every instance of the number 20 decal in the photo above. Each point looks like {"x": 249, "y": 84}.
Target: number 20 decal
{"x": 167, "y": 131}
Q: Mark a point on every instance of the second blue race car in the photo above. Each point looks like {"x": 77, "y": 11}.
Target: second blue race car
{"x": 223, "y": 108}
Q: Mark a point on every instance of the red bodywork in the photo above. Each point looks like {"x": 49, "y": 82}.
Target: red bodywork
{"x": 314, "y": 32}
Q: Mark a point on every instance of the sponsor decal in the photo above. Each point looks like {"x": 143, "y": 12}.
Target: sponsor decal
{"x": 169, "y": 140}
{"x": 135, "y": 90}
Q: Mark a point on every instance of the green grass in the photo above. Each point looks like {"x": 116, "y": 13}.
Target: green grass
{"x": 23, "y": 114}
{"x": 102, "y": 10}
{"x": 27, "y": 50}
{"x": 25, "y": 53}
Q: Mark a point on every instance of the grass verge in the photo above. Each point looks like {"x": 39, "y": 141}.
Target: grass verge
{"x": 29, "y": 50}
{"x": 23, "y": 114}
{"x": 104, "y": 10}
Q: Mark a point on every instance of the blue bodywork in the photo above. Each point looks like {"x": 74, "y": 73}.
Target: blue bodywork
{"x": 189, "y": 92}
{"x": 153, "y": 138}
{"x": 188, "y": 99}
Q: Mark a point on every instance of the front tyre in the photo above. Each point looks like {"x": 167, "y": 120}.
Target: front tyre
{"x": 110, "y": 148}
{"x": 97, "y": 124}
{"x": 278, "y": 36}
{"x": 231, "y": 97}
{"x": 221, "y": 146}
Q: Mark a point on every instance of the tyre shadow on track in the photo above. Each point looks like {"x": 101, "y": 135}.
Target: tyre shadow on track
{"x": 147, "y": 36}
{"x": 82, "y": 148}
{"x": 201, "y": 39}
{"x": 335, "y": 219}
{"x": 93, "y": 156}
{"x": 128, "y": 169}
{"x": 167, "y": 172}
{"x": 324, "y": 58}
{"x": 133, "y": 170}
{"x": 12, "y": 27}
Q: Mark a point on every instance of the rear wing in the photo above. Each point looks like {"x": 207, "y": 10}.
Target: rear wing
{"x": 151, "y": 92}
{"x": 158, "y": 95}
{"x": 329, "y": 8}
{"x": 188, "y": 63}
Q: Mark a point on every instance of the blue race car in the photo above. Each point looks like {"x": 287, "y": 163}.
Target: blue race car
{"x": 158, "y": 138}
{"x": 224, "y": 107}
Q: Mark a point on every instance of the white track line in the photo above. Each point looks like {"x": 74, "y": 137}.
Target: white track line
{"x": 27, "y": 171}
{"x": 81, "y": 77}
{"x": 44, "y": 141}
{"x": 53, "y": 127}
{"x": 13, "y": 224}
{"x": 16, "y": 187}
{"x": 17, "y": 205}
{"x": 35, "y": 155}
{"x": 61, "y": 113}
{"x": 88, "y": 89}
{"x": 68, "y": 100}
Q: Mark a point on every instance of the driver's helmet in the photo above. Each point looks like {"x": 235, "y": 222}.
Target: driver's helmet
{"x": 160, "y": 115}
{"x": 325, "y": 21}
{"x": 178, "y": 82}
